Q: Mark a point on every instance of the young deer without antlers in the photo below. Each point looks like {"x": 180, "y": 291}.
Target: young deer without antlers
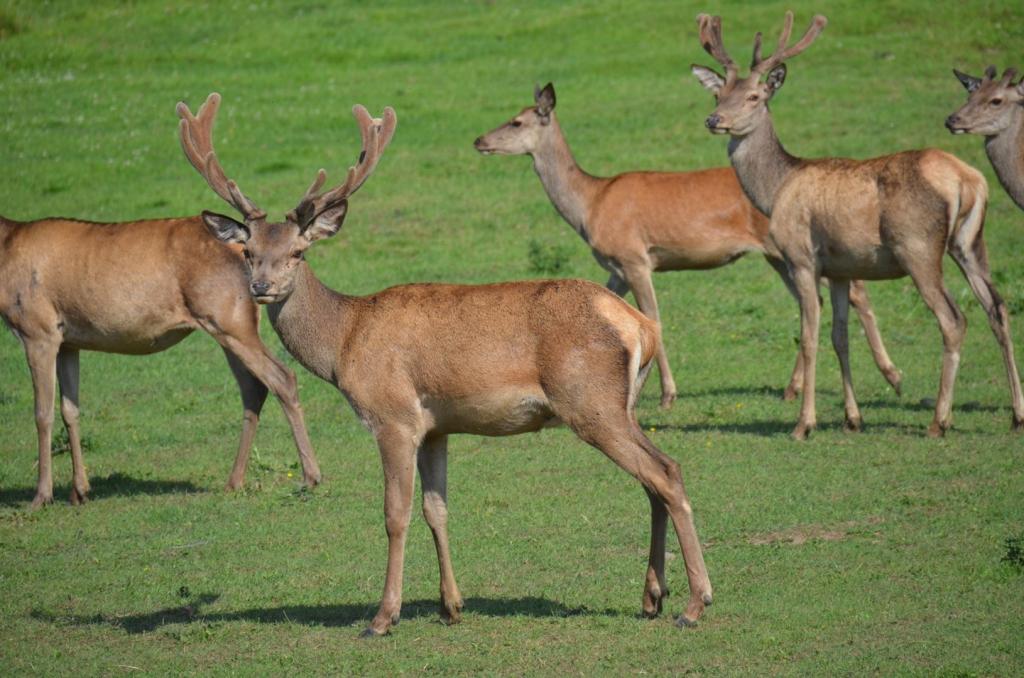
{"x": 995, "y": 109}
{"x": 136, "y": 287}
{"x": 420, "y": 362}
{"x": 870, "y": 219}
{"x": 637, "y": 223}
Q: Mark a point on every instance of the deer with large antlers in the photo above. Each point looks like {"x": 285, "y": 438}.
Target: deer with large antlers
{"x": 995, "y": 109}
{"x": 637, "y": 223}
{"x": 137, "y": 288}
{"x": 420, "y": 362}
{"x": 846, "y": 219}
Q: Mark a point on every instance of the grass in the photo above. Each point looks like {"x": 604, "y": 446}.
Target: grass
{"x": 883, "y": 552}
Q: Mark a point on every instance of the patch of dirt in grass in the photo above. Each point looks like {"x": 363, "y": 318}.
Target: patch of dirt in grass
{"x": 801, "y": 534}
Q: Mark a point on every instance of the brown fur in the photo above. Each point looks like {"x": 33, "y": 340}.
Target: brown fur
{"x": 135, "y": 287}
{"x": 879, "y": 219}
{"x": 995, "y": 110}
{"x": 420, "y": 362}
{"x": 637, "y": 223}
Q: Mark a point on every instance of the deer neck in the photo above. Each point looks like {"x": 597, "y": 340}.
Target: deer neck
{"x": 569, "y": 188}
{"x": 312, "y": 323}
{"x": 762, "y": 164}
{"x": 1006, "y": 153}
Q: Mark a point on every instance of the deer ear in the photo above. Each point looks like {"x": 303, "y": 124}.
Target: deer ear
{"x": 545, "y": 99}
{"x": 709, "y": 79}
{"x": 327, "y": 223}
{"x": 969, "y": 82}
{"x": 776, "y": 77}
{"x": 225, "y": 228}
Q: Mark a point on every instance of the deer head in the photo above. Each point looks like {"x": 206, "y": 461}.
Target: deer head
{"x": 273, "y": 251}
{"x": 992, "y": 104}
{"x": 743, "y": 102}
{"x": 525, "y": 132}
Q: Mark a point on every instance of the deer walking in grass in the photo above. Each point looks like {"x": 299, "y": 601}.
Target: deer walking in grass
{"x": 875, "y": 219}
{"x": 137, "y": 288}
{"x": 638, "y": 223}
{"x": 420, "y": 362}
{"x": 995, "y": 110}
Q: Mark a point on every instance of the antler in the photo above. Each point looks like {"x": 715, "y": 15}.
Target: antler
{"x": 781, "y": 51}
{"x": 711, "y": 41}
{"x": 376, "y": 133}
{"x": 1008, "y": 76}
{"x": 196, "y": 133}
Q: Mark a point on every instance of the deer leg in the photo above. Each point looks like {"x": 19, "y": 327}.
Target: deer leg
{"x": 621, "y": 440}
{"x": 432, "y": 460}
{"x": 840, "y": 293}
{"x": 256, "y": 358}
{"x": 640, "y": 283}
{"x": 655, "y": 588}
{"x": 862, "y": 305}
{"x": 796, "y": 380}
{"x": 617, "y": 284}
{"x": 254, "y": 394}
{"x": 952, "y": 324}
{"x": 974, "y": 264}
{"x": 806, "y": 283}
{"x": 42, "y": 362}
{"x": 398, "y": 455}
{"x": 67, "y": 379}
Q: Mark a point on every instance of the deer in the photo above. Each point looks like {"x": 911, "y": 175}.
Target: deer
{"x": 638, "y": 223}
{"x": 995, "y": 109}
{"x": 419, "y": 362}
{"x": 137, "y": 288}
{"x": 877, "y": 219}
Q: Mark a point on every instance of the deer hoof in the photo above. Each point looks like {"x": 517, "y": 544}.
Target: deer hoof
{"x": 451, "y": 614}
{"x": 41, "y": 500}
{"x": 707, "y": 599}
{"x": 853, "y": 425}
{"x": 78, "y": 498}
{"x": 937, "y": 430}
{"x": 685, "y": 623}
{"x": 790, "y": 393}
{"x": 1018, "y": 424}
{"x": 667, "y": 399}
{"x": 369, "y": 633}
{"x": 802, "y": 431}
{"x": 895, "y": 379}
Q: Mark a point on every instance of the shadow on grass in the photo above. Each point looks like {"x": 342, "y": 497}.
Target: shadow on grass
{"x": 346, "y": 614}
{"x": 776, "y": 427}
{"x": 115, "y": 484}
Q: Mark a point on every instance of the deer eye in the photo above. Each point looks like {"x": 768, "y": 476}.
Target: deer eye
{"x": 516, "y": 123}
{"x": 247, "y": 255}
{"x": 995, "y": 102}
{"x": 297, "y": 254}
{"x": 753, "y": 97}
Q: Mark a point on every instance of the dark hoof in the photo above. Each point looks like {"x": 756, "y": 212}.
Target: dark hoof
{"x": 707, "y": 599}
{"x": 684, "y": 623}
{"x": 368, "y": 633}
{"x": 853, "y": 425}
{"x": 40, "y": 501}
{"x": 1017, "y": 426}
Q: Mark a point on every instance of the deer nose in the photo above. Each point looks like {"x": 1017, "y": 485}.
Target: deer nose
{"x": 712, "y": 121}
{"x": 259, "y": 287}
{"x": 952, "y": 121}
{"x": 478, "y": 141}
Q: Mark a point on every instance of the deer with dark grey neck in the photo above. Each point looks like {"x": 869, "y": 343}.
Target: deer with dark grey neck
{"x": 420, "y": 362}
{"x": 995, "y": 110}
{"x": 845, "y": 219}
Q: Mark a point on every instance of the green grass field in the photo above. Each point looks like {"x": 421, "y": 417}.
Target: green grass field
{"x": 881, "y": 552}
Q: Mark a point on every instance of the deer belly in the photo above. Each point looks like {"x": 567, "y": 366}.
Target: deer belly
{"x": 496, "y": 413}
{"x": 133, "y": 341}
{"x": 867, "y": 263}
